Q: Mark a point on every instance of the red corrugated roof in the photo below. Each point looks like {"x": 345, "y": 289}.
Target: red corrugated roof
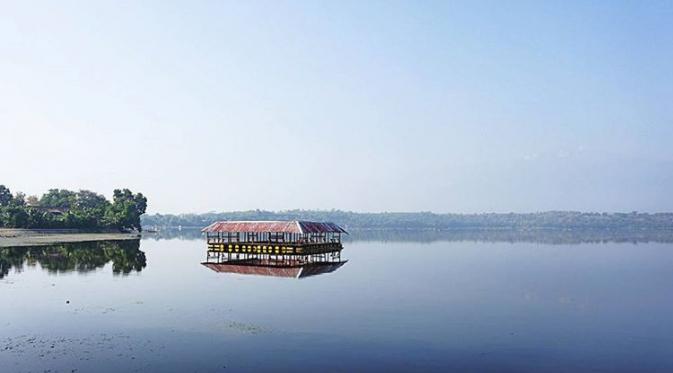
{"x": 294, "y": 226}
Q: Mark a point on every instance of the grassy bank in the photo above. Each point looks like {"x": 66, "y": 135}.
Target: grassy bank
{"x": 39, "y": 237}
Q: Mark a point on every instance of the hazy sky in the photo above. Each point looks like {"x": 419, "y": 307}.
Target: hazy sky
{"x": 365, "y": 106}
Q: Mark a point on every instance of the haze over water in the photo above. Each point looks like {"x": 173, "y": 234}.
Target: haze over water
{"x": 434, "y": 305}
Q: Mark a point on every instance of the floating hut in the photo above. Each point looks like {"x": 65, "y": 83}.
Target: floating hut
{"x": 296, "y": 246}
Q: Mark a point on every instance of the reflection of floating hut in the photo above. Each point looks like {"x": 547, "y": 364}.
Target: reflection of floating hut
{"x": 296, "y": 271}
{"x": 274, "y": 248}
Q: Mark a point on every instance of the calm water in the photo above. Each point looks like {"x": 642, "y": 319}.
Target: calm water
{"x": 399, "y": 306}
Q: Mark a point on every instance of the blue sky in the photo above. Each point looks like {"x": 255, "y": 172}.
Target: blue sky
{"x": 365, "y": 106}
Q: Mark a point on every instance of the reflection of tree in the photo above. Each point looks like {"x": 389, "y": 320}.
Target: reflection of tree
{"x": 11, "y": 257}
{"x": 82, "y": 257}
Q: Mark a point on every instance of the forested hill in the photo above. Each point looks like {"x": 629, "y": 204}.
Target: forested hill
{"x": 427, "y": 220}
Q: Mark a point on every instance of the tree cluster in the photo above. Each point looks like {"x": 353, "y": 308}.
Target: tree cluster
{"x": 61, "y": 209}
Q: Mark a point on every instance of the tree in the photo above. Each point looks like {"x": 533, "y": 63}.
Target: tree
{"x": 19, "y": 199}
{"x": 32, "y": 201}
{"x": 126, "y": 209}
{"x": 15, "y": 217}
{"x": 58, "y": 198}
{"x": 88, "y": 209}
{"x": 5, "y": 196}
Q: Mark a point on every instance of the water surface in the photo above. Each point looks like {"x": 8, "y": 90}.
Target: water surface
{"x": 396, "y": 305}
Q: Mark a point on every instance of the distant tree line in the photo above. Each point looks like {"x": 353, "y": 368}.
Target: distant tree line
{"x": 65, "y": 209}
{"x": 428, "y": 220}
{"x": 553, "y": 236}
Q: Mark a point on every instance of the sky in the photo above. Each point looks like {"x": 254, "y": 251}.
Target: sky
{"x": 444, "y": 106}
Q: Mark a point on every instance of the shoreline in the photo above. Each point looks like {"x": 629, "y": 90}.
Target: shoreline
{"x": 41, "y": 237}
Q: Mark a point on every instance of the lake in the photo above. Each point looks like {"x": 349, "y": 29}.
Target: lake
{"x": 434, "y": 304}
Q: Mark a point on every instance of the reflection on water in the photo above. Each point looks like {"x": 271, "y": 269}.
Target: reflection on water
{"x": 294, "y": 266}
{"x": 545, "y": 236}
{"x": 81, "y": 257}
{"x": 260, "y": 268}
{"x": 442, "y": 305}
{"x": 541, "y": 236}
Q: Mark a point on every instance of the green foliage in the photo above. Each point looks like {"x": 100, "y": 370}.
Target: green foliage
{"x": 12, "y": 209}
{"x": 60, "y": 208}
{"x": 58, "y": 198}
{"x": 126, "y": 209}
{"x": 15, "y": 216}
{"x": 5, "y": 196}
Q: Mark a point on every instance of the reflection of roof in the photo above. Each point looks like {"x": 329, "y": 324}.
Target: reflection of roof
{"x": 295, "y": 226}
{"x": 305, "y": 270}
